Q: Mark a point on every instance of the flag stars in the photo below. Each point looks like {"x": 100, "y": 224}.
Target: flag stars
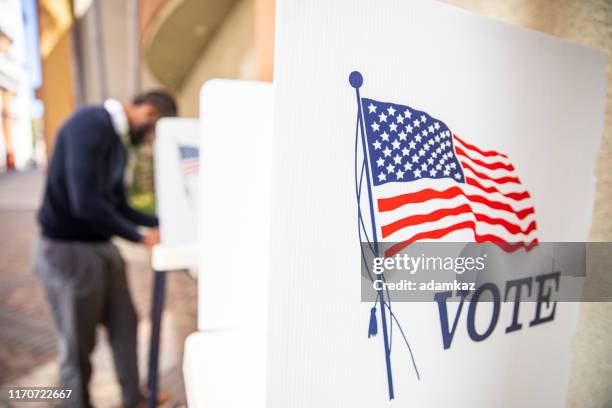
{"x": 409, "y": 145}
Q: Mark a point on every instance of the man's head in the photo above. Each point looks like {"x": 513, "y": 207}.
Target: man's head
{"x": 145, "y": 110}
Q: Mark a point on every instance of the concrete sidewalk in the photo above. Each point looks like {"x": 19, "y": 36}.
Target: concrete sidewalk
{"x": 27, "y": 337}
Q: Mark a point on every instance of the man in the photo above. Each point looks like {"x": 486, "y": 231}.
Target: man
{"x": 84, "y": 206}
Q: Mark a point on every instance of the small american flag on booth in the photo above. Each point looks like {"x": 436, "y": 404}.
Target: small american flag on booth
{"x": 189, "y": 157}
{"x": 447, "y": 184}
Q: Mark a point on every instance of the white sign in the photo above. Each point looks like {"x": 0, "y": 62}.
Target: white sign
{"x": 176, "y": 180}
{"x": 476, "y": 93}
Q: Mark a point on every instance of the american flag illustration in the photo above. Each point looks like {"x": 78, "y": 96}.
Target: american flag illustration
{"x": 447, "y": 183}
{"x": 189, "y": 159}
{"x": 416, "y": 180}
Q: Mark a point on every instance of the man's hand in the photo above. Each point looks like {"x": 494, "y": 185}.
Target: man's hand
{"x": 151, "y": 237}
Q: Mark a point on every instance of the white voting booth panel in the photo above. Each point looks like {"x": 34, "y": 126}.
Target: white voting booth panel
{"x": 224, "y": 363}
{"x": 177, "y": 147}
{"x": 536, "y": 98}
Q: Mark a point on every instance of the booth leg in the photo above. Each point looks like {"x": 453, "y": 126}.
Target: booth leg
{"x": 157, "y": 306}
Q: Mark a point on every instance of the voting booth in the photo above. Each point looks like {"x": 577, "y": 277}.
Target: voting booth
{"x": 177, "y": 150}
{"x": 177, "y": 196}
{"x": 436, "y": 126}
{"x": 224, "y": 362}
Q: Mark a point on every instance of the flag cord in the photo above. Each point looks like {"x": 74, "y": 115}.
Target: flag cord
{"x": 356, "y": 80}
{"x": 405, "y": 340}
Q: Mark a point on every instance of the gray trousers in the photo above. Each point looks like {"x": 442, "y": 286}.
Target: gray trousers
{"x": 86, "y": 285}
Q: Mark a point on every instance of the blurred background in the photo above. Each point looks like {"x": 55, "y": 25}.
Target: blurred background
{"x": 56, "y": 55}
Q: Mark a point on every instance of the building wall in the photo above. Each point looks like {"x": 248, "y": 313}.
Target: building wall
{"x": 264, "y": 39}
{"x": 57, "y": 88}
{"x": 103, "y": 55}
{"x": 113, "y": 16}
{"x": 230, "y": 54}
{"x": 16, "y": 148}
{"x": 86, "y": 63}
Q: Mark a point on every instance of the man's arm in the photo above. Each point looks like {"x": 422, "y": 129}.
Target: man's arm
{"x": 137, "y": 217}
{"x": 86, "y": 183}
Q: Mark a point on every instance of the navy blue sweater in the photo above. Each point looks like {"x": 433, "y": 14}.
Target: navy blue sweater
{"x": 84, "y": 194}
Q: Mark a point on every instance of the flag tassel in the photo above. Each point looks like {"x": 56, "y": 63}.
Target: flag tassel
{"x": 373, "y": 329}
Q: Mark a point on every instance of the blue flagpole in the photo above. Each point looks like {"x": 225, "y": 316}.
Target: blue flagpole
{"x": 356, "y": 80}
